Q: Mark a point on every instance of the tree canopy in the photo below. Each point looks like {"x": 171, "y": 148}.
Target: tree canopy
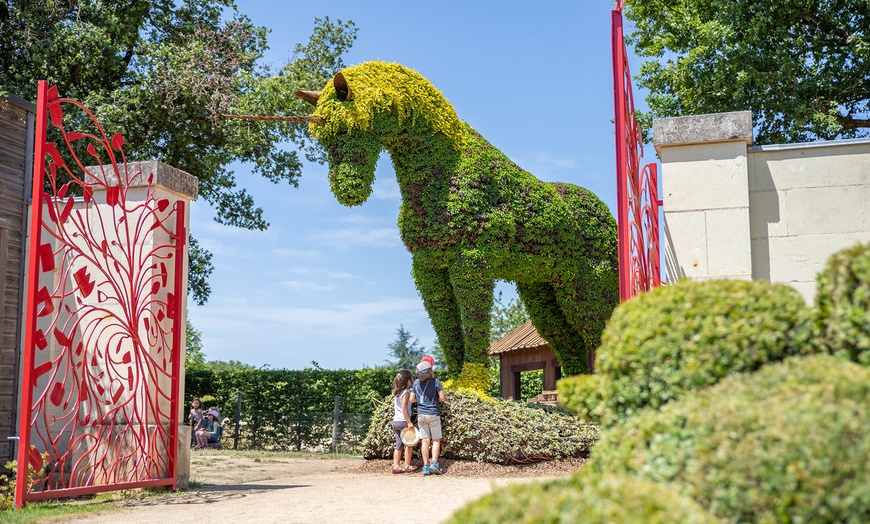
{"x": 163, "y": 73}
{"x": 506, "y": 318}
{"x": 802, "y": 68}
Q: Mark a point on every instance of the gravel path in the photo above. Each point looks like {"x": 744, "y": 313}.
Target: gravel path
{"x": 289, "y": 490}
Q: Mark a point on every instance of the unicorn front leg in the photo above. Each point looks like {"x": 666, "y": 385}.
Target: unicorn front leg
{"x": 473, "y": 288}
{"x": 433, "y": 283}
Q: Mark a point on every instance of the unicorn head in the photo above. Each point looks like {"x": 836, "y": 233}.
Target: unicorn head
{"x": 371, "y": 107}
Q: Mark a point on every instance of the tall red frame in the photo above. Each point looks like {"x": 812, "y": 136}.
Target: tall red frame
{"x": 103, "y": 317}
{"x": 636, "y": 188}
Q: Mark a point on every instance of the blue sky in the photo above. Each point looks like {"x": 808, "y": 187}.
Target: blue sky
{"x": 332, "y": 284}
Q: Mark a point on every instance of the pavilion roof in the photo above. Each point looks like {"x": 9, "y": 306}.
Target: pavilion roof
{"x": 523, "y": 337}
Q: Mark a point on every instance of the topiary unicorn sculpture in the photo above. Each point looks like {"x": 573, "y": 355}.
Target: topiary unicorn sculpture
{"x": 470, "y": 216}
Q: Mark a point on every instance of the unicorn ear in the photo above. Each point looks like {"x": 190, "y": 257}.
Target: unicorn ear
{"x": 309, "y": 96}
{"x": 342, "y": 90}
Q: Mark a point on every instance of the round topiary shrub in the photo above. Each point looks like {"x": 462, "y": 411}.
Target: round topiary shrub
{"x": 843, "y": 304}
{"x": 584, "y": 498}
{"x": 493, "y": 431}
{"x": 687, "y": 336}
{"x": 788, "y": 443}
{"x": 580, "y": 395}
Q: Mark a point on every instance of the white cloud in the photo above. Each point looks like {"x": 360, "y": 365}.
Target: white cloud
{"x": 297, "y": 254}
{"x": 293, "y": 336}
{"x": 347, "y": 237}
{"x": 305, "y": 285}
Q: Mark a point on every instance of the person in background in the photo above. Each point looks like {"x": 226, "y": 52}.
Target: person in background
{"x": 195, "y": 418}
{"x": 401, "y": 420}
{"x": 428, "y": 393}
{"x": 211, "y": 430}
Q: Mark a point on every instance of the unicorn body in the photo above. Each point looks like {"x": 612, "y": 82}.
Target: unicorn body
{"x": 470, "y": 216}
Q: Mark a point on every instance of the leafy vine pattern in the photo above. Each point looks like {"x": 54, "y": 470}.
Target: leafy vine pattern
{"x": 103, "y": 364}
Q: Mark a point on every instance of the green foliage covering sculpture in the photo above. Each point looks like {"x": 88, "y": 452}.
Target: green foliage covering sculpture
{"x": 470, "y": 216}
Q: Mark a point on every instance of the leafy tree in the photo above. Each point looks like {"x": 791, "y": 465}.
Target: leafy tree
{"x": 802, "y": 68}
{"x": 506, "y": 318}
{"x": 194, "y": 356}
{"x": 163, "y": 73}
{"x": 437, "y": 353}
{"x": 407, "y": 353}
{"x": 227, "y": 366}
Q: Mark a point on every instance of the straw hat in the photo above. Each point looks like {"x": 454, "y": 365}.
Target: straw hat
{"x": 410, "y": 437}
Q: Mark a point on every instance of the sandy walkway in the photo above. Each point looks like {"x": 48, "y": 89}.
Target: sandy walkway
{"x": 301, "y": 490}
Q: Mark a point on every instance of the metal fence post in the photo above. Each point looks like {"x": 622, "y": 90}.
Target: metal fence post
{"x": 238, "y": 421}
{"x": 336, "y": 412}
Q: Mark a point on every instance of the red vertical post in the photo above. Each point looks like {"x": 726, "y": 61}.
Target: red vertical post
{"x": 177, "y": 358}
{"x": 620, "y": 114}
{"x": 30, "y": 300}
{"x": 655, "y": 204}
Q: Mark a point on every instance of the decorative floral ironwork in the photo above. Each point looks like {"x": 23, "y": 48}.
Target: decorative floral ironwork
{"x": 636, "y": 188}
{"x": 102, "y": 362}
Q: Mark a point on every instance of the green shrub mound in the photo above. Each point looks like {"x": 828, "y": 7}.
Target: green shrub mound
{"x": 687, "y": 336}
{"x": 579, "y": 395}
{"x": 493, "y": 431}
{"x": 587, "y": 499}
{"x": 843, "y": 304}
{"x": 788, "y": 443}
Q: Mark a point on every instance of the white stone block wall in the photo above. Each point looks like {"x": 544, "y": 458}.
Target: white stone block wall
{"x": 766, "y": 212}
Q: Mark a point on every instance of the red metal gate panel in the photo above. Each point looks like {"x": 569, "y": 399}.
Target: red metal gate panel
{"x": 103, "y": 313}
{"x": 636, "y": 189}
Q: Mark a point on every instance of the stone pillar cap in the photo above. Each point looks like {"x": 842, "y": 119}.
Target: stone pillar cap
{"x": 699, "y": 129}
{"x": 171, "y": 178}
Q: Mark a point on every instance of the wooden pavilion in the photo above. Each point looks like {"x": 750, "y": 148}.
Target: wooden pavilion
{"x": 523, "y": 349}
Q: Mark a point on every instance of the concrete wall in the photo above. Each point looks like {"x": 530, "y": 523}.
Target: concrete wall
{"x": 733, "y": 210}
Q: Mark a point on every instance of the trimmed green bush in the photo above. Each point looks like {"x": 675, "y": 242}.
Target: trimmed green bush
{"x": 494, "y": 431}
{"x": 587, "y": 499}
{"x": 788, "y": 443}
{"x": 579, "y": 395}
{"x": 687, "y": 336}
{"x": 843, "y": 304}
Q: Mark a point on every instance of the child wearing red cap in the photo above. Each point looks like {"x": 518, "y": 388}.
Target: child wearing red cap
{"x": 428, "y": 393}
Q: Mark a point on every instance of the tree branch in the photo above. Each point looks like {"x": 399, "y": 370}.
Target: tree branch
{"x": 849, "y": 123}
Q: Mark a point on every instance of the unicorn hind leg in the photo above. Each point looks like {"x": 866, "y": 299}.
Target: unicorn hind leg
{"x": 588, "y": 304}
{"x": 551, "y": 323}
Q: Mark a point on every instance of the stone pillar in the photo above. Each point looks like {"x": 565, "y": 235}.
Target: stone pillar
{"x": 174, "y": 185}
{"x": 705, "y": 192}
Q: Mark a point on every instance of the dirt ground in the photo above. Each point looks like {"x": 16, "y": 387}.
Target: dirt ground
{"x": 266, "y": 488}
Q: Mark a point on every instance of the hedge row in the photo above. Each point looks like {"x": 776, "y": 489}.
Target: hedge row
{"x": 289, "y": 408}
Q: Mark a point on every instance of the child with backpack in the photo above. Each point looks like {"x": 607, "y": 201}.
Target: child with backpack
{"x": 428, "y": 393}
